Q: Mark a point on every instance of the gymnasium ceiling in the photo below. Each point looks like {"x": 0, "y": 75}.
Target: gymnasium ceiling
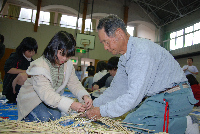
{"x": 161, "y": 12}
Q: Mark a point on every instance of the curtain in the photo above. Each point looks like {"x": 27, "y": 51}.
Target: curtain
{"x": 166, "y": 42}
{"x": 52, "y": 16}
{"x": 59, "y": 18}
{"x": 14, "y": 11}
{"x": 3, "y": 4}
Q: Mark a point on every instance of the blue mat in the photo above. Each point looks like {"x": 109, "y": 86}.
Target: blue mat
{"x": 10, "y": 112}
{"x": 68, "y": 94}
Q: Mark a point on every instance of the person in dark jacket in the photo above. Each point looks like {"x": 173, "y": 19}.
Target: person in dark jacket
{"x": 90, "y": 69}
{"x": 107, "y": 79}
{"x": 2, "y": 46}
{"x": 17, "y": 63}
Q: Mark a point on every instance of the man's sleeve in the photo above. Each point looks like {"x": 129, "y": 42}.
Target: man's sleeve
{"x": 87, "y": 68}
{"x": 196, "y": 70}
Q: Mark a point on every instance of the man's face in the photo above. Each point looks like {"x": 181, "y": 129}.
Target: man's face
{"x": 189, "y": 61}
{"x": 112, "y": 44}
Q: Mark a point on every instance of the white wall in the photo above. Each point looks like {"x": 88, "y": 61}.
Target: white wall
{"x": 145, "y": 32}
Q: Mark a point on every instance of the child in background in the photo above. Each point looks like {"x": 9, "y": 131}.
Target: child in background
{"x": 40, "y": 98}
{"x": 106, "y": 80}
{"x": 17, "y": 63}
{"x": 79, "y": 73}
{"x": 101, "y": 70}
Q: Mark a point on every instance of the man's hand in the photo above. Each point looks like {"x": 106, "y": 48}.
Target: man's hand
{"x": 185, "y": 69}
{"x": 93, "y": 113}
{"x": 20, "y": 79}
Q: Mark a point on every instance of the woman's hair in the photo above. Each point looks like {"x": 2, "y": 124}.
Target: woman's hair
{"x": 191, "y": 79}
{"x": 1, "y": 38}
{"x": 78, "y": 67}
{"x": 110, "y": 24}
{"x": 61, "y": 41}
{"x": 27, "y": 44}
{"x": 101, "y": 65}
{"x": 112, "y": 63}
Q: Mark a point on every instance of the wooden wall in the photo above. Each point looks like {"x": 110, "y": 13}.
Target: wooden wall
{"x": 8, "y": 51}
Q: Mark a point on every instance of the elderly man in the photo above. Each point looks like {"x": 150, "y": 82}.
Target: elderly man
{"x": 144, "y": 69}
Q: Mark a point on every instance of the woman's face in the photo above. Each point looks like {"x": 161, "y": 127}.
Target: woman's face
{"x": 29, "y": 53}
{"x": 112, "y": 72}
{"x": 79, "y": 68}
{"x": 61, "y": 59}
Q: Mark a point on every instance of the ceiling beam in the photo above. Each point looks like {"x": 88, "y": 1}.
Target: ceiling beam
{"x": 179, "y": 17}
{"x": 138, "y": 1}
{"x": 164, "y": 4}
{"x": 153, "y": 12}
{"x": 176, "y": 8}
{"x": 147, "y": 14}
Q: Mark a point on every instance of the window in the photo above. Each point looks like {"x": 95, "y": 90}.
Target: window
{"x": 70, "y": 22}
{"x": 189, "y": 36}
{"x": 29, "y": 15}
{"x": 176, "y": 41}
{"x": 197, "y": 33}
{"x": 87, "y": 24}
{"x": 130, "y": 30}
{"x": 172, "y": 41}
{"x": 44, "y": 17}
{"x": 179, "y": 39}
{"x": 185, "y": 37}
{"x": 25, "y": 15}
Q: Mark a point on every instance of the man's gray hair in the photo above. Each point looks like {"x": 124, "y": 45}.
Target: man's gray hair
{"x": 110, "y": 24}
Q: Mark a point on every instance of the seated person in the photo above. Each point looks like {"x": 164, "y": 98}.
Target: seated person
{"x": 195, "y": 87}
{"x": 107, "y": 79}
{"x": 2, "y": 46}
{"x": 17, "y": 63}
{"x": 88, "y": 82}
{"x": 79, "y": 73}
{"x": 40, "y": 97}
{"x": 101, "y": 70}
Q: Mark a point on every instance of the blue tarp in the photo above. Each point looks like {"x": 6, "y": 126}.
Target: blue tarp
{"x": 10, "y": 110}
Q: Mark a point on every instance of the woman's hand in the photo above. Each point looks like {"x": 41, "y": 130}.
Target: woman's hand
{"x": 20, "y": 79}
{"x": 77, "y": 106}
{"x": 88, "y": 101}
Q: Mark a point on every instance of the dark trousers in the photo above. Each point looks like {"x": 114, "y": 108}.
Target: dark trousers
{"x": 11, "y": 96}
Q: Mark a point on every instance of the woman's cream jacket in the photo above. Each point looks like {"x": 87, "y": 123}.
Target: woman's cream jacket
{"x": 39, "y": 88}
